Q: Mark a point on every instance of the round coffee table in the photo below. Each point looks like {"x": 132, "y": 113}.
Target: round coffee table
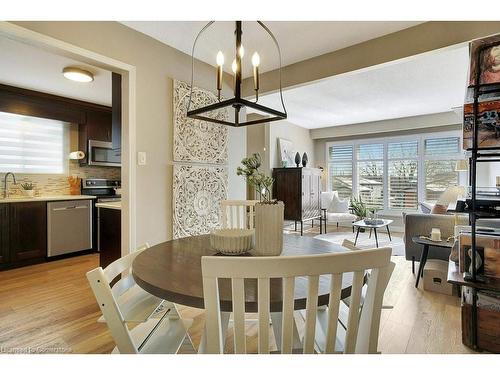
{"x": 425, "y": 251}
{"x": 379, "y": 224}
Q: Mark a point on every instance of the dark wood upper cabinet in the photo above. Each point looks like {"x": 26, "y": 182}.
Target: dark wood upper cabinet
{"x": 27, "y": 231}
{"x": 116, "y": 110}
{"x": 4, "y": 234}
{"x": 99, "y": 126}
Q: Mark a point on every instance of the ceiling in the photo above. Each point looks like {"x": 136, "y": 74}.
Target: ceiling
{"x": 32, "y": 68}
{"x": 299, "y": 40}
{"x": 429, "y": 83}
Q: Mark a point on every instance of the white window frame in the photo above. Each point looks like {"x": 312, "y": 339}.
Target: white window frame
{"x": 420, "y": 157}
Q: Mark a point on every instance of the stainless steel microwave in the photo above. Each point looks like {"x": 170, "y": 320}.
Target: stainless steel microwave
{"x": 102, "y": 154}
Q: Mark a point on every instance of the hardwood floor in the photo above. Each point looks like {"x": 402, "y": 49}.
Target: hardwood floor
{"x": 50, "y": 308}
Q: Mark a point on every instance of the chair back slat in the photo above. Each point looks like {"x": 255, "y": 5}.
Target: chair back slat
{"x": 287, "y": 323}
{"x": 263, "y": 309}
{"x": 333, "y": 312}
{"x": 369, "y": 322}
{"x": 212, "y": 316}
{"x": 311, "y": 310}
{"x": 107, "y": 297}
{"x": 111, "y": 311}
{"x": 237, "y": 214}
{"x": 123, "y": 264}
{"x": 362, "y": 329}
{"x": 353, "y": 318}
{"x": 238, "y": 290}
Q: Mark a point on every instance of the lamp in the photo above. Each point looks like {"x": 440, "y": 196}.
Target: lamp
{"x": 77, "y": 74}
{"x": 237, "y": 102}
{"x": 461, "y": 166}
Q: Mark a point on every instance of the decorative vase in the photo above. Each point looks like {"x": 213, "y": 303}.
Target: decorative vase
{"x": 297, "y": 159}
{"x": 269, "y": 229}
{"x": 304, "y": 160}
{"x": 28, "y": 193}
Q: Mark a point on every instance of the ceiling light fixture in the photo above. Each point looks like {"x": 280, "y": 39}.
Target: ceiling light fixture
{"x": 77, "y": 74}
{"x": 237, "y": 102}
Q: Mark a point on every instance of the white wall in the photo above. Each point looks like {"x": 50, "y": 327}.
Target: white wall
{"x": 301, "y": 138}
{"x": 237, "y": 150}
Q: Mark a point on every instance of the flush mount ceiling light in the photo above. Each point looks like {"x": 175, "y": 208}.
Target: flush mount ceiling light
{"x": 77, "y": 74}
{"x": 237, "y": 102}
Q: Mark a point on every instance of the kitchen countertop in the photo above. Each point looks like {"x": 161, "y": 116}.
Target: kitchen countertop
{"x": 46, "y": 198}
{"x": 117, "y": 205}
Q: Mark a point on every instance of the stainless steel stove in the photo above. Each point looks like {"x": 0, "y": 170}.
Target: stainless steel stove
{"x": 103, "y": 189}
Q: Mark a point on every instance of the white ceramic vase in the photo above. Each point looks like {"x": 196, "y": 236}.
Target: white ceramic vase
{"x": 28, "y": 193}
{"x": 269, "y": 229}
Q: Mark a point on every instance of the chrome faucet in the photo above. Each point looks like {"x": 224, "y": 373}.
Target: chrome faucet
{"x": 5, "y": 189}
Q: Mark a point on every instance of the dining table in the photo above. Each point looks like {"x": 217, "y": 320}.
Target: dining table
{"x": 171, "y": 270}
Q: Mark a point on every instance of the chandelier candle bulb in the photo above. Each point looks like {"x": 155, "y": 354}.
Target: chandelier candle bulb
{"x": 220, "y": 63}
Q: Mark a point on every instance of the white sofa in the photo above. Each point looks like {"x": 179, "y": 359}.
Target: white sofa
{"x": 335, "y": 209}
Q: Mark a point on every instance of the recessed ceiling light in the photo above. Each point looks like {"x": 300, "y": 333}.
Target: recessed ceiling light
{"x": 77, "y": 74}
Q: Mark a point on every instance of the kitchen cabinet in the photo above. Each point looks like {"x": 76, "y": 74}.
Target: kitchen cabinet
{"x": 27, "y": 231}
{"x": 99, "y": 126}
{"x": 109, "y": 235}
{"x": 116, "y": 110}
{"x": 4, "y": 234}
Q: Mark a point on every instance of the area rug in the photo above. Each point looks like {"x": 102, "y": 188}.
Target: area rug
{"x": 364, "y": 242}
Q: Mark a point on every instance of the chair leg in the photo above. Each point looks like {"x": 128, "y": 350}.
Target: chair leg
{"x": 413, "y": 265}
{"x": 337, "y": 224}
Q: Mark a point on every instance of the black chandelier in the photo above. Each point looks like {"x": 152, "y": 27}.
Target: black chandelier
{"x": 237, "y": 102}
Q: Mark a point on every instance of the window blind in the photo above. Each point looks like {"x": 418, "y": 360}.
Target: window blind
{"x": 31, "y": 144}
{"x": 371, "y": 174}
{"x": 442, "y": 154}
{"x": 340, "y": 169}
{"x": 403, "y": 174}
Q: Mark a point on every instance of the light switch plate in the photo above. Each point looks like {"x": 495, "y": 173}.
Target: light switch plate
{"x": 141, "y": 158}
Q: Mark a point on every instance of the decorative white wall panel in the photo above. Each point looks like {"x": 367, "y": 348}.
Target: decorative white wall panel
{"x": 200, "y": 164}
{"x": 198, "y": 192}
{"x": 194, "y": 140}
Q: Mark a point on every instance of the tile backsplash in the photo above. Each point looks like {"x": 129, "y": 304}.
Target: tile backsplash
{"x": 57, "y": 184}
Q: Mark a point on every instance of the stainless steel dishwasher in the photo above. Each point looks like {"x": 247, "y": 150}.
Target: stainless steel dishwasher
{"x": 69, "y": 227}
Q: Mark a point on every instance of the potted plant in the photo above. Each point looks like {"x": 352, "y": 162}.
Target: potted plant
{"x": 360, "y": 209}
{"x": 28, "y": 189}
{"x": 269, "y": 213}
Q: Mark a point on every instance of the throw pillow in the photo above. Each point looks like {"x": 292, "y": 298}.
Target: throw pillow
{"x": 338, "y": 205}
{"x": 439, "y": 209}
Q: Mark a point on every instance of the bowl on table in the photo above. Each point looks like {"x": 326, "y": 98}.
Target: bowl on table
{"x": 232, "y": 241}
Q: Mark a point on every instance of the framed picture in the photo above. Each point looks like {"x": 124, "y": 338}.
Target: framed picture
{"x": 488, "y": 127}
{"x": 287, "y": 154}
{"x": 489, "y": 60}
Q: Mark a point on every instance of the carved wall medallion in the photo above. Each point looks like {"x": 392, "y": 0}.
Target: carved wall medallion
{"x": 195, "y": 140}
{"x": 198, "y": 192}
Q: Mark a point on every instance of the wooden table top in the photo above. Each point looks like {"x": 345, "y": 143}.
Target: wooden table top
{"x": 172, "y": 270}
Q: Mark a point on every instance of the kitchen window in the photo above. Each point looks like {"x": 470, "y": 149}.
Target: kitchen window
{"x": 32, "y": 145}
{"x": 395, "y": 173}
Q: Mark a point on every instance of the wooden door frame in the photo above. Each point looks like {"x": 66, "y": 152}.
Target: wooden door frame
{"x": 128, "y": 73}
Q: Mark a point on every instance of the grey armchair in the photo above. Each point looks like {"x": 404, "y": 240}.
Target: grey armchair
{"x": 421, "y": 224}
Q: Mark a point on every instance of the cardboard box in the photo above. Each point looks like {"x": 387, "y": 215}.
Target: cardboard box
{"x": 435, "y": 277}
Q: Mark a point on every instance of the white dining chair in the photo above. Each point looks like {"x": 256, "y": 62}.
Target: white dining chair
{"x": 362, "y": 327}
{"x": 350, "y": 245}
{"x": 160, "y": 329}
{"x": 238, "y": 214}
{"x": 135, "y": 303}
